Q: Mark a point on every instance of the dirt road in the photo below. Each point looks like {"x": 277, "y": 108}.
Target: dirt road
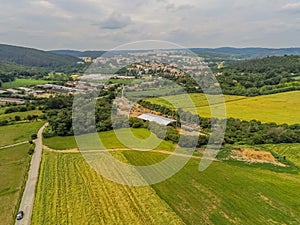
{"x": 29, "y": 191}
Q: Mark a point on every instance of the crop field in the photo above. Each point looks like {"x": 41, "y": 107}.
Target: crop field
{"x": 279, "y": 108}
{"x": 14, "y": 162}
{"x": 291, "y": 151}
{"x": 23, "y": 115}
{"x": 70, "y": 192}
{"x": 142, "y": 138}
{"x": 23, "y": 83}
{"x": 12, "y": 134}
{"x": 228, "y": 192}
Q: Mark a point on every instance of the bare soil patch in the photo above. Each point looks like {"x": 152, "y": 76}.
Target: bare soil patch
{"x": 254, "y": 156}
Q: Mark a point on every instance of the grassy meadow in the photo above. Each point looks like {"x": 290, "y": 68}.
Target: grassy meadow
{"x": 12, "y": 134}
{"x": 70, "y": 192}
{"x": 23, "y": 83}
{"x": 14, "y": 163}
{"x": 280, "y": 108}
{"x": 142, "y": 138}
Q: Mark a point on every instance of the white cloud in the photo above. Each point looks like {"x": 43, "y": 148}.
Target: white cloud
{"x": 292, "y": 7}
{"x": 115, "y": 21}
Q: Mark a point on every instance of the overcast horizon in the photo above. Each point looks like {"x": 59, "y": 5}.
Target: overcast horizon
{"x": 103, "y": 25}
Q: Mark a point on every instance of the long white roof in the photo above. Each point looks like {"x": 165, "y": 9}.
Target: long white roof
{"x": 157, "y": 119}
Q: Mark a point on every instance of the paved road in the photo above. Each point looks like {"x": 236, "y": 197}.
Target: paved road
{"x": 29, "y": 191}
{"x": 13, "y": 145}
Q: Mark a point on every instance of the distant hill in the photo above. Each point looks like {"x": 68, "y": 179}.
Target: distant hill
{"x": 228, "y": 53}
{"x": 93, "y": 54}
{"x": 35, "y": 58}
{"x": 224, "y": 53}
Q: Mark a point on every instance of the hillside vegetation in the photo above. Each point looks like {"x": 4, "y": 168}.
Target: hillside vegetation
{"x": 35, "y": 58}
{"x": 260, "y": 76}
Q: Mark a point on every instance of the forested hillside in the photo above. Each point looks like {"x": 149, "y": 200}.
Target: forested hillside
{"x": 35, "y": 58}
{"x": 9, "y": 71}
{"x": 260, "y": 76}
{"x": 93, "y": 54}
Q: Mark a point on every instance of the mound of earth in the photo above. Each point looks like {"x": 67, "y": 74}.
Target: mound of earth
{"x": 256, "y": 156}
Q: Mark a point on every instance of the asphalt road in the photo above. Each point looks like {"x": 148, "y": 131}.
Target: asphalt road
{"x": 29, "y": 191}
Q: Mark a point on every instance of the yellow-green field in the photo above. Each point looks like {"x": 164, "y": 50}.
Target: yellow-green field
{"x": 70, "y": 192}
{"x": 280, "y": 108}
{"x": 14, "y": 162}
{"x": 291, "y": 151}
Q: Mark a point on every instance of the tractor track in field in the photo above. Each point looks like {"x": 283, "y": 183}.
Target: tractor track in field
{"x": 76, "y": 150}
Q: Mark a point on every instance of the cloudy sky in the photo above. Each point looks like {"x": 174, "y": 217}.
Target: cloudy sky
{"x": 105, "y": 24}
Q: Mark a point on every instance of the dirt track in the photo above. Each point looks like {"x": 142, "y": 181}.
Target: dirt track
{"x": 75, "y": 150}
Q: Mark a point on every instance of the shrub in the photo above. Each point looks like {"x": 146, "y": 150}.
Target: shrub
{"x": 31, "y": 150}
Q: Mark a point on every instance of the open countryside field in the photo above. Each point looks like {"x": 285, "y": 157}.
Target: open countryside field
{"x": 70, "y": 192}
{"x": 14, "y": 163}
{"x": 228, "y": 193}
{"x": 279, "y": 108}
{"x": 20, "y": 132}
{"x": 23, "y": 83}
{"x": 23, "y": 115}
{"x": 111, "y": 140}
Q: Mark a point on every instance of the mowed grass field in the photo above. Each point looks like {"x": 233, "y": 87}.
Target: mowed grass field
{"x": 20, "y": 132}
{"x": 14, "y": 163}
{"x": 70, "y": 192}
{"x": 121, "y": 138}
{"x": 23, "y": 83}
{"x": 228, "y": 193}
{"x": 279, "y": 108}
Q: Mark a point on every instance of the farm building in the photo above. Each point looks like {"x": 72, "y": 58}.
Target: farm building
{"x": 157, "y": 119}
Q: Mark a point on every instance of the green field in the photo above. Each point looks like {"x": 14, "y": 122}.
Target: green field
{"x": 12, "y": 134}
{"x": 279, "y": 108}
{"x": 291, "y": 151}
{"x": 110, "y": 140}
{"x": 23, "y": 115}
{"x": 14, "y": 162}
{"x": 70, "y": 192}
{"x": 23, "y": 83}
{"x": 228, "y": 193}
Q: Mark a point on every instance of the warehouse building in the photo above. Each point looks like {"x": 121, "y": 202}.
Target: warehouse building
{"x": 157, "y": 119}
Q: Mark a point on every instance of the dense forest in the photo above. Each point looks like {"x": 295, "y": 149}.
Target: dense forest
{"x": 260, "y": 76}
